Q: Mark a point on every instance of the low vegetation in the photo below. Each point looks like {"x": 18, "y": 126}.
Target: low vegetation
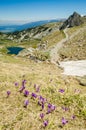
{"x": 75, "y": 49}
{"x": 41, "y": 55}
{"x": 53, "y": 38}
{"x": 37, "y": 96}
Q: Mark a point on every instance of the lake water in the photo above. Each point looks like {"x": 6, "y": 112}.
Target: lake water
{"x": 14, "y": 50}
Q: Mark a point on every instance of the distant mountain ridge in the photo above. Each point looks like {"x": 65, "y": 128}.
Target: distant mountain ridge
{"x": 13, "y": 28}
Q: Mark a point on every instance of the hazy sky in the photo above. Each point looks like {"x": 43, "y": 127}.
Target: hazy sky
{"x": 33, "y": 10}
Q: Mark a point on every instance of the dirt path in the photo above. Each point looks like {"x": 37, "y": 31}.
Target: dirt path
{"x": 74, "y": 68}
{"x": 54, "y": 51}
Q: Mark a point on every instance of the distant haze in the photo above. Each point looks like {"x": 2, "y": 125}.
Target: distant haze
{"x": 35, "y": 10}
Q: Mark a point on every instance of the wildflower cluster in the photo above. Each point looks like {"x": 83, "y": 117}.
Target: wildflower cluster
{"x": 45, "y": 106}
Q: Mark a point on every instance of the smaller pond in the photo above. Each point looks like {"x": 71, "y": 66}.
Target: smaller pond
{"x": 14, "y": 50}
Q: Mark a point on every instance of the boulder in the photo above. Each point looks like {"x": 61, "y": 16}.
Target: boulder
{"x": 82, "y": 80}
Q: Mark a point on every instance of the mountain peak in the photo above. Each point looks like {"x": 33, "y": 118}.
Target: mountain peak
{"x": 74, "y": 20}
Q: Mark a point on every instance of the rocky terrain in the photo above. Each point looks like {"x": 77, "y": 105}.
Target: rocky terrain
{"x": 74, "y": 20}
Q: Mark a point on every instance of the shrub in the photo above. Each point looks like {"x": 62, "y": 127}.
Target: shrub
{"x": 42, "y": 55}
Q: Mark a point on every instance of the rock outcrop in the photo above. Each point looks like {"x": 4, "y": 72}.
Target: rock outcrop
{"x": 74, "y": 20}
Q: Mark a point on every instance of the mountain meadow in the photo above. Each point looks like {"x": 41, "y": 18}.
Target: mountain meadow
{"x": 35, "y": 94}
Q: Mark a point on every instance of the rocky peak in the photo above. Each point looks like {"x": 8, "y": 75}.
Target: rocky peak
{"x": 74, "y": 20}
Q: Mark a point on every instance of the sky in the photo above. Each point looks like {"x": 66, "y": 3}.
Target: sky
{"x": 35, "y": 10}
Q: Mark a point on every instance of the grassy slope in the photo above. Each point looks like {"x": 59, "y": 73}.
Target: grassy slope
{"x": 54, "y": 38}
{"x": 76, "y": 28}
{"x": 13, "y": 116}
{"x": 75, "y": 48}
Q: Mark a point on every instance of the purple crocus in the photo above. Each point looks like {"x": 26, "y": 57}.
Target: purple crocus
{"x": 42, "y": 106}
{"x": 26, "y": 102}
{"x": 38, "y": 89}
{"x": 64, "y": 121}
{"x": 65, "y": 108}
{"x": 51, "y": 108}
{"x": 34, "y": 95}
{"x": 49, "y": 105}
{"x": 23, "y": 82}
{"x": 73, "y": 117}
{"x": 26, "y": 93}
{"x": 16, "y": 84}
{"x": 48, "y": 111}
{"x": 45, "y": 123}
{"x": 61, "y": 90}
{"x": 21, "y": 89}
{"x": 42, "y": 100}
{"x": 42, "y": 115}
{"x": 8, "y": 93}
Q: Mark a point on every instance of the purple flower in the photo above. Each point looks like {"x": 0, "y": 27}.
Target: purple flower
{"x": 26, "y": 102}
{"x": 42, "y": 115}
{"x": 34, "y": 95}
{"x": 64, "y": 121}
{"x": 48, "y": 111}
{"x": 61, "y": 90}
{"x": 38, "y": 89}
{"x": 49, "y": 105}
{"x": 16, "y": 84}
{"x": 42, "y": 106}
{"x": 8, "y": 93}
{"x": 21, "y": 89}
{"x": 42, "y": 100}
{"x": 23, "y": 82}
{"x": 65, "y": 108}
{"x": 53, "y": 107}
{"x": 45, "y": 123}
{"x": 73, "y": 117}
{"x": 26, "y": 93}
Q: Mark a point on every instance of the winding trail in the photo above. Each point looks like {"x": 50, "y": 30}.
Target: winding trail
{"x": 74, "y": 68}
{"x": 54, "y": 51}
